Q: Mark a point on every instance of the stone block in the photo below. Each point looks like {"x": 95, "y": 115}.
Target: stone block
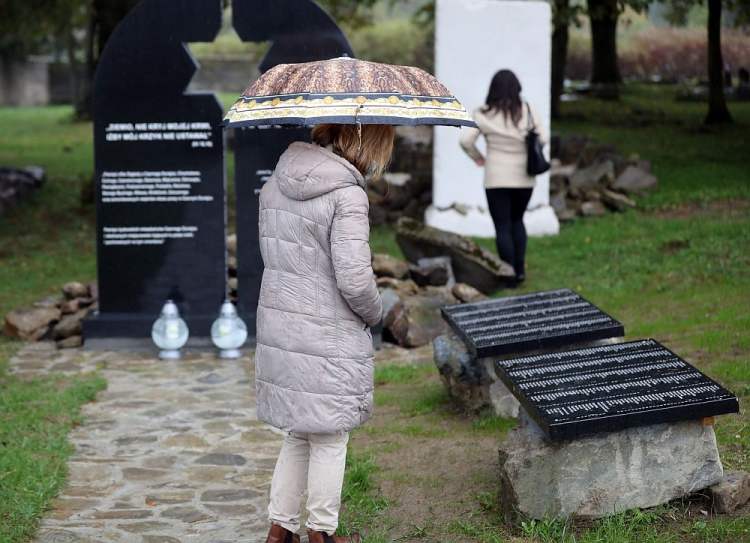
{"x": 617, "y": 201}
{"x": 74, "y": 289}
{"x": 436, "y": 271}
{"x": 467, "y": 294}
{"x": 593, "y": 176}
{"x": 387, "y": 266}
{"x": 71, "y": 342}
{"x": 604, "y": 474}
{"x": 472, "y": 264}
{"x": 472, "y": 382}
{"x": 593, "y": 208}
{"x": 732, "y": 492}
{"x": 30, "y": 323}
{"x": 636, "y": 180}
{"x": 416, "y": 320}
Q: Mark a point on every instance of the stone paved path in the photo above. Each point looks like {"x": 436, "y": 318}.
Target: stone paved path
{"x": 170, "y": 452}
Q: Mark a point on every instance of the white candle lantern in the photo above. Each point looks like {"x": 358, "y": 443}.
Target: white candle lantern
{"x": 229, "y": 332}
{"x": 170, "y": 332}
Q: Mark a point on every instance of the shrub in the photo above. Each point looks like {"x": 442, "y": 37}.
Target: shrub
{"x": 666, "y": 53}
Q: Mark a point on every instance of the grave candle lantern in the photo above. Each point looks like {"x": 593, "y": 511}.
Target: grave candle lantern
{"x": 170, "y": 332}
{"x": 229, "y": 332}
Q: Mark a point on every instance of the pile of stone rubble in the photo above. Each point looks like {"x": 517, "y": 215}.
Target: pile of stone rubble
{"x": 589, "y": 179}
{"x": 55, "y": 318}
{"x": 440, "y": 269}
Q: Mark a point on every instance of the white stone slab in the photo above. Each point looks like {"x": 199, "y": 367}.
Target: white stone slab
{"x": 474, "y": 39}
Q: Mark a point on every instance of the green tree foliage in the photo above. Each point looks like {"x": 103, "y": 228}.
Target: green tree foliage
{"x": 30, "y": 26}
{"x": 80, "y": 28}
{"x": 353, "y": 13}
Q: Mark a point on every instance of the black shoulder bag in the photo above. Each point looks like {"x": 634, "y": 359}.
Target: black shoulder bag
{"x": 536, "y": 164}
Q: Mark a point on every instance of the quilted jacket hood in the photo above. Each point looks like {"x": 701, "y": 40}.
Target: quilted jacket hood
{"x": 306, "y": 171}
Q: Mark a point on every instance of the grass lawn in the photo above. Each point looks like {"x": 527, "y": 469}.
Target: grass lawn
{"x": 676, "y": 269}
{"x": 35, "y": 418}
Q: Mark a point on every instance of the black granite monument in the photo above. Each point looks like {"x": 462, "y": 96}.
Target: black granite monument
{"x": 159, "y": 173}
{"x": 159, "y": 161}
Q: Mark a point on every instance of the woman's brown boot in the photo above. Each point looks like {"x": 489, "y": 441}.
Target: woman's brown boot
{"x": 322, "y": 537}
{"x": 279, "y": 534}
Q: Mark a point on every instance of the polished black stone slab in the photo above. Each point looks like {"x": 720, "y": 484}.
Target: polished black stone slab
{"x": 612, "y": 387}
{"x": 540, "y": 320}
{"x": 159, "y": 173}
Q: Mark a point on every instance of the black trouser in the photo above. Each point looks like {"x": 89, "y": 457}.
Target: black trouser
{"x": 507, "y": 207}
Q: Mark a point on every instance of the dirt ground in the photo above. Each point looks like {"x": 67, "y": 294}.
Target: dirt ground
{"x": 435, "y": 466}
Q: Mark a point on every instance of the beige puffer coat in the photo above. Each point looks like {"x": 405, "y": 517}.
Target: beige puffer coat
{"x": 314, "y": 356}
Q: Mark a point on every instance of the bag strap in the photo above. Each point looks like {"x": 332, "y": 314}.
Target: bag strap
{"x": 530, "y": 124}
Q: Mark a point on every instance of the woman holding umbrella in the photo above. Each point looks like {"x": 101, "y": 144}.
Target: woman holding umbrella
{"x": 318, "y": 300}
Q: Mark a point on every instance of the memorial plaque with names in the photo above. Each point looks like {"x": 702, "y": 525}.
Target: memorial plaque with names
{"x": 299, "y": 31}
{"x": 612, "y": 387}
{"x": 159, "y": 173}
{"x": 529, "y": 322}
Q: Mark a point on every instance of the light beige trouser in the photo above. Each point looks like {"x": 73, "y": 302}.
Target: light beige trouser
{"x": 315, "y": 461}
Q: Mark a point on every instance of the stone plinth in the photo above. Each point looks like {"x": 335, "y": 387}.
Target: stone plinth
{"x": 732, "y": 492}
{"x": 605, "y": 473}
{"x": 472, "y": 382}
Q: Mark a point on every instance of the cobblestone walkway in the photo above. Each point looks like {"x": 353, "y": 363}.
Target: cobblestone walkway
{"x": 171, "y": 452}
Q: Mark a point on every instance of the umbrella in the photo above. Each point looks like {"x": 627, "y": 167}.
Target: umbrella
{"x": 346, "y": 91}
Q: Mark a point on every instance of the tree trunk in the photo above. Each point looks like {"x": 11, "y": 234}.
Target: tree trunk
{"x": 559, "y": 54}
{"x": 717, "y": 104}
{"x": 75, "y": 70}
{"x": 83, "y": 100}
{"x": 605, "y": 73}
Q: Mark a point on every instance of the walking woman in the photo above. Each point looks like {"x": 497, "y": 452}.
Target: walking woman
{"x": 318, "y": 300}
{"x": 504, "y": 122}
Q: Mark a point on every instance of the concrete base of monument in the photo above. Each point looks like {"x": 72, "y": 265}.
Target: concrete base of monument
{"x": 476, "y": 221}
{"x": 541, "y": 221}
{"x": 604, "y": 474}
{"x": 135, "y": 325}
{"x": 473, "y": 383}
{"x": 146, "y": 344}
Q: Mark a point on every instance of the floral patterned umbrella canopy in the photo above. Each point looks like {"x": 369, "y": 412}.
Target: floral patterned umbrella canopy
{"x": 346, "y": 91}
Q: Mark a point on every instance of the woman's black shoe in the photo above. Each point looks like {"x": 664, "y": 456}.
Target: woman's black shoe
{"x": 520, "y": 278}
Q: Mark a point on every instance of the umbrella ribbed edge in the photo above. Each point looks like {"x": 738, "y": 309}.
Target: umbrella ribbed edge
{"x": 340, "y": 108}
{"x": 346, "y": 119}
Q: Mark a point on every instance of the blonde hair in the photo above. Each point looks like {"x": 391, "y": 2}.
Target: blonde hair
{"x": 377, "y": 145}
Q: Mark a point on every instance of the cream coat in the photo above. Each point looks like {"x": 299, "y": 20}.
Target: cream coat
{"x": 505, "y": 165}
{"x": 314, "y": 356}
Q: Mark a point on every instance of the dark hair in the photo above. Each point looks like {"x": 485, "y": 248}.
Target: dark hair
{"x": 505, "y": 95}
